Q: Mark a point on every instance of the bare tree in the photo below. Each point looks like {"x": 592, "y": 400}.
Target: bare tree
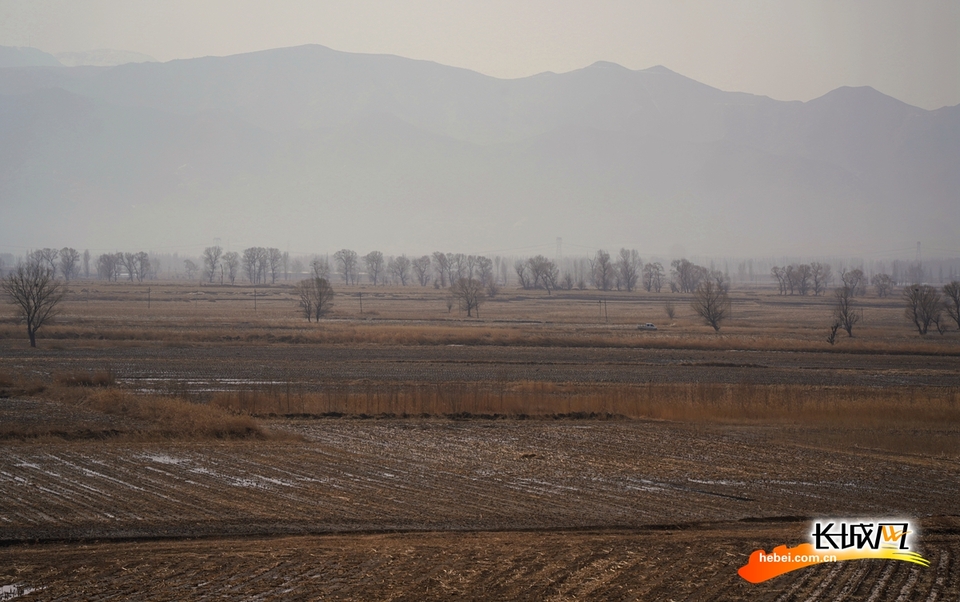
{"x": 107, "y": 266}
{"x": 801, "y": 276}
{"x": 628, "y": 268}
{"x": 117, "y": 265}
{"x": 883, "y": 284}
{"x": 855, "y": 280}
{"x": 924, "y": 306}
{"x": 781, "y": 275}
{"x": 139, "y": 265}
{"x": 400, "y": 268}
{"x": 720, "y": 279}
{"x": 347, "y": 261}
{"x": 550, "y": 277}
{"x": 485, "y": 271}
{"x": 653, "y": 277}
{"x": 421, "y": 268}
{"x": 191, "y": 268}
{"x": 525, "y": 280}
{"x": 711, "y": 303}
{"x": 820, "y": 275}
{"x": 128, "y": 260}
{"x": 844, "y": 311}
{"x": 231, "y": 264}
{"x": 952, "y": 293}
{"x": 688, "y": 275}
{"x": 315, "y": 296}
{"x": 374, "y": 262}
{"x": 602, "y": 269}
{"x": 832, "y": 337}
{"x": 69, "y": 263}
{"x": 543, "y": 273}
{"x": 47, "y": 258}
{"x": 86, "y": 263}
{"x": 469, "y": 293}
{"x": 790, "y": 278}
{"x": 35, "y": 292}
{"x": 442, "y": 266}
{"x": 670, "y": 309}
{"x": 472, "y": 261}
{"x": 457, "y": 263}
{"x": 253, "y": 261}
{"x": 320, "y": 266}
{"x": 274, "y": 263}
{"x": 211, "y": 262}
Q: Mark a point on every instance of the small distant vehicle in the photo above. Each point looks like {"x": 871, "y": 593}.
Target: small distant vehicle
{"x": 647, "y": 326}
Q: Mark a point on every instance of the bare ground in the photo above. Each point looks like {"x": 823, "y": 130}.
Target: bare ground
{"x": 442, "y": 509}
{"x": 670, "y": 564}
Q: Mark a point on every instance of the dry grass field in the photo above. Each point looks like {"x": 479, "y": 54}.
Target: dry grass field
{"x": 104, "y": 314}
{"x": 172, "y": 441}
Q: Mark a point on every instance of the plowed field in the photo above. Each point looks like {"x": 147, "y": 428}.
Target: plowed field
{"x": 407, "y": 509}
{"x": 674, "y": 564}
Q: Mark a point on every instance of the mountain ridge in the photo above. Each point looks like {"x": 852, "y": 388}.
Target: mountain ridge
{"x": 355, "y": 150}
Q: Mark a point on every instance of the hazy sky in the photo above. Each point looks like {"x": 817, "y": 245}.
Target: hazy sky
{"x": 786, "y": 49}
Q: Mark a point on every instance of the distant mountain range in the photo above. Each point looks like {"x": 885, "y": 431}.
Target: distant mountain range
{"x": 312, "y": 149}
{"x": 102, "y": 57}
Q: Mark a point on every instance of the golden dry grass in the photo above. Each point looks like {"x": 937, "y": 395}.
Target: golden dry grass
{"x": 174, "y": 418}
{"x": 133, "y": 415}
{"x": 801, "y": 404}
{"x": 79, "y": 378}
{"x": 897, "y": 420}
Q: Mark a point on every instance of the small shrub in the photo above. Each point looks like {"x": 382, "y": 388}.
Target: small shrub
{"x": 100, "y": 378}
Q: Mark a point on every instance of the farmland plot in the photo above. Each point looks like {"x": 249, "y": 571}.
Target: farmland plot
{"x": 308, "y": 367}
{"x": 440, "y": 509}
{"x": 693, "y": 563}
{"x": 376, "y": 475}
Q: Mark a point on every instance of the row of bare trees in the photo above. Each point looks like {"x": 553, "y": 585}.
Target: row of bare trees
{"x": 66, "y": 261}
{"x": 800, "y": 279}
{"x": 137, "y": 266}
{"x": 926, "y": 306}
{"x": 256, "y": 263}
{"x": 688, "y": 276}
{"x": 804, "y": 278}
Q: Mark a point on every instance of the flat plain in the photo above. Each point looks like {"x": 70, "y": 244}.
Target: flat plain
{"x": 545, "y": 450}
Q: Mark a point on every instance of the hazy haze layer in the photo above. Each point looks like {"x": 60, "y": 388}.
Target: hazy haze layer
{"x": 312, "y": 150}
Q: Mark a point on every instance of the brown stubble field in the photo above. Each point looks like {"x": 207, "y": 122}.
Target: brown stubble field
{"x": 540, "y": 451}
